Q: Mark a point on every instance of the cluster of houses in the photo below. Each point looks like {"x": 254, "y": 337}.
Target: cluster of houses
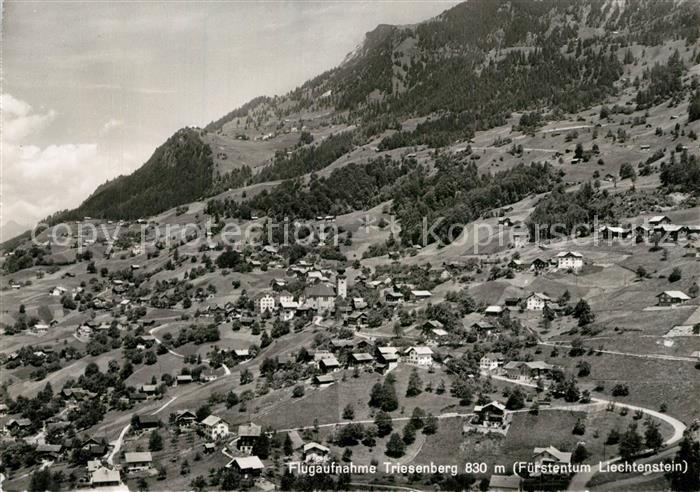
{"x": 494, "y": 362}
{"x": 659, "y": 224}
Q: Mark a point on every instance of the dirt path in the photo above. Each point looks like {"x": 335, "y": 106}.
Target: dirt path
{"x": 117, "y": 445}
{"x": 629, "y": 354}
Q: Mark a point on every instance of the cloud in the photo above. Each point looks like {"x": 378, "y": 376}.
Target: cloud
{"x": 17, "y": 120}
{"x": 38, "y": 181}
{"x": 112, "y": 124}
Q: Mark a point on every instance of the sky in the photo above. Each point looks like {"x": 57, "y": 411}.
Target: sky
{"x": 89, "y": 89}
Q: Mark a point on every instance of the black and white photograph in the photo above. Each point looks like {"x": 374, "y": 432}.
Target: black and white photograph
{"x": 349, "y": 245}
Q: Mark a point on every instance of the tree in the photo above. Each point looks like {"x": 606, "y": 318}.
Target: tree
{"x": 431, "y": 424}
{"x": 584, "y": 314}
{"x": 630, "y": 443}
{"x": 652, "y": 437}
{"x": 231, "y": 399}
{"x": 409, "y": 434}
{"x": 613, "y": 437}
{"x": 384, "y": 423}
{"x": 676, "y": 275}
{"x": 155, "y": 441}
{"x": 417, "y": 418}
{"x": 349, "y": 412}
{"x": 395, "y": 447}
{"x": 627, "y": 171}
{"x": 288, "y": 446}
{"x": 261, "y": 447}
{"x": 579, "y": 428}
{"x": 415, "y": 385}
{"x": 347, "y": 455}
{"x": 199, "y": 483}
{"x": 230, "y": 479}
{"x": 688, "y": 452}
{"x": 516, "y": 400}
{"x": 694, "y": 108}
{"x": 580, "y": 454}
{"x": 298, "y": 391}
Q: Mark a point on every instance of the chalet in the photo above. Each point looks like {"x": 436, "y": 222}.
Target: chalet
{"x": 147, "y": 421}
{"x": 550, "y": 457}
{"x": 241, "y": 354}
{"x": 320, "y": 296}
{"x": 338, "y": 344}
{"x": 93, "y": 448}
{"x": 419, "y": 295}
{"x": 515, "y": 264}
{"x": 431, "y": 324}
{"x": 491, "y": 361}
{"x": 613, "y": 232}
{"x": 184, "y": 379}
{"x": 387, "y": 356}
{"x": 671, "y": 297}
{"x": 185, "y": 418}
{"x": 264, "y": 302}
{"x": 323, "y": 380}
{"x": 436, "y": 335}
{"x": 209, "y": 447}
{"x": 504, "y": 483}
{"x": 512, "y": 302}
{"x": 528, "y": 370}
{"x": 642, "y": 231}
{"x": 248, "y": 435}
{"x": 538, "y": 265}
{"x": 483, "y": 328}
{"x": 58, "y": 291}
{"x": 149, "y": 389}
{"x": 658, "y": 220}
{"x": 420, "y": 355}
{"x": 51, "y": 451}
{"x": 316, "y": 453}
{"x": 104, "y": 477}
{"x": 138, "y": 461}
{"x": 520, "y": 238}
{"x": 357, "y": 320}
{"x": 359, "y": 303}
{"x": 537, "y": 301}
{"x": 493, "y": 310}
{"x": 16, "y": 425}
{"x": 361, "y": 359}
{"x": 492, "y": 414}
{"x": 215, "y": 427}
{"x": 248, "y": 466}
{"x": 288, "y": 309}
{"x": 569, "y": 260}
{"x": 392, "y": 297}
{"x": 329, "y": 364}
{"x": 671, "y": 232}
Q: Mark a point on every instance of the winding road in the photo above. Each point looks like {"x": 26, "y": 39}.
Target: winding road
{"x": 579, "y": 480}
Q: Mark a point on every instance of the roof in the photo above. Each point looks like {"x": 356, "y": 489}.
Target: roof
{"x": 658, "y": 218}
{"x": 211, "y": 420}
{"x": 493, "y": 309}
{"x": 676, "y": 294}
{"x": 138, "y": 457}
{"x": 325, "y": 378}
{"x": 541, "y": 295}
{"x": 330, "y": 361}
{"x": 439, "y": 332}
{"x": 105, "y": 475}
{"x": 504, "y": 482}
{"x": 297, "y": 441}
{"x": 319, "y": 290}
{"x": 248, "y": 463}
{"x": 362, "y": 356}
{"x": 421, "y": 293}
{"x": 565, "y": 254}
{"x": 495, "y": 404}
{"x": 250, "y": 430}
{"x": 315, "y": 445}
{"x": 562, "y": 456}
{"x": 420, "y": 350}
{"x": 493, "y": 356}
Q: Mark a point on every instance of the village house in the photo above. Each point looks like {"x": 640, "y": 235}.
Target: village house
{"x": 247, "y": 466}
{"x": 492, "y": 414}
{"x": 491, "y": 361}
{"x": 147, "y": 422}
{"x": 493, "y": 310}
{"x": 671, "y": 232}
{"x": 288, "y": 309}
{"x": 357, "y": 320}
{"x": 215, "y": 427}
{"x": 329, "y": 364}
{"x": 392, "y": 297}
{"x": 297, "y": 441}
{"x": 483, "y": 328}
{"x": 358, "y": 303}
{"x": 505, "y": 483}
{"x": 528, "y": 370}
{"x": 550, "y": 456}
{"x": 104, "y": 477}
{"x": 520, "y": 238}
{"x": 569, "y": 260}
{"x": 323, "y": 380}
{"x": 671, "y": 297}
{"x": 613, "y": 232}
{"x": 421, "y": 356}
{"x": 537, "y": 301}
{"x": 184, "y": 379}
{"x": 387, "y": 357}
{"x": 49, "y": 451}
{"x": 248, "y": 435}
{"x": 185, "y": 418}
{"x": 264, "y": 302}
{"x": 658, "y": 220}
{"x": 419, "y": 295}
{"x": 320, "y": 296}
{"x": 505, "y": 221}
{"x": 138, "y": 461}
{"x": 361, "y": 359}
{"x": 642, "y": 231}
{"x": 538, "y": 265}
{"x": 315, "y": 453}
